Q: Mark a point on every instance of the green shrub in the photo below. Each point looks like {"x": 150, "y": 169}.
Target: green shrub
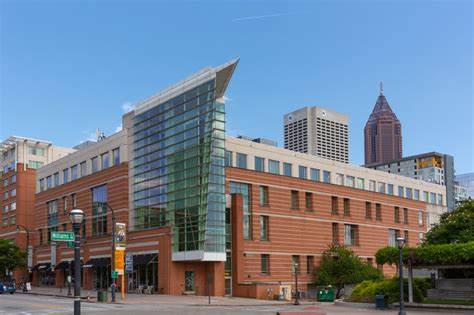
{"x": 365, "y": 291}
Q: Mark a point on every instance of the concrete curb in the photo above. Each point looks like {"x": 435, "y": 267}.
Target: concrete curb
{"x": 438, "y": 306}
{"x": 83, "y": 298}
{"x": 355, "y": 304}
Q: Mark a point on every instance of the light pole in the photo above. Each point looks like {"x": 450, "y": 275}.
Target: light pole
{"x": 77, "y": 216}
{"x": 18, "y": 227}
{"x": 112, "y": 263}
{"x": 297, "y": 302}
{"x": 400, "y": 244}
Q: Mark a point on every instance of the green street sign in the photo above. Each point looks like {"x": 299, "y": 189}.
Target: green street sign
{"x": 70, "y": 244}
{"x": 114, "y": 274}
{"x": 62, "y": 236}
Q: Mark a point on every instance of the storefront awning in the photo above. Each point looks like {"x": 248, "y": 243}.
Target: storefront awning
{"x": 97, "y": 262}
{"x": 41, "y": 267}
{"x": 143, "y": 259}
{"x": 65, "y": 264}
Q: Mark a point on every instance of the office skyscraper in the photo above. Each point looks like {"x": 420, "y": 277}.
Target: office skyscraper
{"x": 382, "y": 133}
{"x": 319, "y": 132}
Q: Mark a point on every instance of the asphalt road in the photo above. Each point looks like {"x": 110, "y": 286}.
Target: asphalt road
{"x": 19, "y": 304}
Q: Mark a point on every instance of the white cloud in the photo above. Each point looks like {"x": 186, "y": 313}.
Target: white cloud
{"x": 118, "y": 128}
{"x": 127, "y": 106}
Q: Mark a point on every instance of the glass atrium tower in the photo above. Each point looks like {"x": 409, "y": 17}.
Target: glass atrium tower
{"x": 177, "y": 167}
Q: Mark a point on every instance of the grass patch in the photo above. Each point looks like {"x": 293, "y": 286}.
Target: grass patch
{"x": 447, "y": 302}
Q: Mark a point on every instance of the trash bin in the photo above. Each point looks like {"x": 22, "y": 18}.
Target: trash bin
{"x": 381, "y": 301}
{"x": 326, "y": 294}
{"x": 102, "y": 296}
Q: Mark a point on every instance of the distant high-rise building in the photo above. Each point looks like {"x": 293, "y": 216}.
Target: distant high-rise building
{"x": 319, "y": 132}
{"x": 466, "y": 180}
{"x": 382, "y": 133}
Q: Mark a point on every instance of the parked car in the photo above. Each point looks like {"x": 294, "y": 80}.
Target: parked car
{"x": 7, "y": 288}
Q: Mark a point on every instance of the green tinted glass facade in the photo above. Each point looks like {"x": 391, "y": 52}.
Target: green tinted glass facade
{"x": 178, "y": 169}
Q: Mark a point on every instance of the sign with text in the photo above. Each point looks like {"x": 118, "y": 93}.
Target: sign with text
{"x": 120, "y": 236}
{"x": 119, "y": 261}
{"x": 30, "y": 257}
{"x": 62, "y": 236}
{"x": 128, "y": 263}
{"x": 53, "y": 254}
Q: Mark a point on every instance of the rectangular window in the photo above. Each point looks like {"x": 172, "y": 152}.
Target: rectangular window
{"x": 400, "y": 191}
{"x": 74, "y": 172}
{"x": 405, "y": 215}
{"x": 36, "y": 151}
{"x": 396, "y": 214}
{"x": 41, "y": 184}
{"x": 56, "y": 179}
{"x": 263, "y": 195}
{"x": 294, "y": 200}
{"x": 421, "y": 237}
{"x": 339, "y": 179}
{"x": 116, "y": 156}
{"x": 66, "y": 176}
{"x": 426, "y": 196}
{"x": 378, "y": 212}
{"x": 350, "y": 235}
{"x": 433, "y": 198}
{"x": 13, "y": 180}
{"x": 372, "y": 185}
{"x": 309, "y": 264}
{"x": 360, "y": 183}
{"x": 416, "y": 194}
{"x": 368, "y": 210}
{"x": 334, "y": 205}
{"x": 228, "y": 158}
{"x": 327, "y": 177}
{"x": 381, "y": 188}
{"x": 13, "y": 192}
{"x": 245, "y": 190}
{"x": 52, "y": 212}
{"x": 264, "y": 228}
{"x": 95, "y": 164}
{"x": 309, "y": 201}
{"x": 265, "y": 264}
{"x": 274, "y": 167}
{"x": 34, "y": 164}
{"x": 99, "y": 210}
{"x": 104, "y": 158}
{"x": 287, "y": 169}
{"x": 83, "y": 168}
{"x": 49, "y": 182}
{"x": 335, "y": 233}
{"x": 408, "y": 193}
{"x": 392, "y": 237}
{"x": 390, "y": 189}
{"x": 347, "y": 207}
{"x": 65, "y": 205}
{"x": 295, "y": 263}
{"x": 5, "y": 195}
{"x": 13, "y": 206}
{"x": 314, "y": 174}
{"x": 350, "y": 181}
{"x": 440, "y": 199}
{"x": 259, "y": 164}
{"x": 405, "y": 235}
{"x": 302, "y": 172}
{"x": 5, "y": 182}
{"x": 420, "y": 217}
{"x": 241, "y": 160}
{"x": 74, "y": 201}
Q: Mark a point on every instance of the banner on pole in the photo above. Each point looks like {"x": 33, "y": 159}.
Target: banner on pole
{"x": 120, "y": 236}
{"x": 119, "y": 261}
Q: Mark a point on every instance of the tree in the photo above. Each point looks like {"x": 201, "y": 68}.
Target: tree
{"x": 456, "y": 226}
{"x": 11, "y": 256}
{"x": 339, "y": 266}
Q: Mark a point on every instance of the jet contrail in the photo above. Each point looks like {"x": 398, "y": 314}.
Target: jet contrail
{"x": 258, "y": 17}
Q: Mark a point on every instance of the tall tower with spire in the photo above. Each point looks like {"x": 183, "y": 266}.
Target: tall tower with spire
{"x": 382, "y": 133}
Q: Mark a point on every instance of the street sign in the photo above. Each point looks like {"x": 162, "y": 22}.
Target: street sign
{"x": 114, "y": 274}
{"x": 70, "y": 244}
{"x": 128, "y": 263}
{"x": 62, "y": 236}
{"x": 120, "y": 236}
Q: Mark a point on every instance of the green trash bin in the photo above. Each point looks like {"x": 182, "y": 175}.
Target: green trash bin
{"x": 102, "y": 296}
{"x": 326, "y": 294}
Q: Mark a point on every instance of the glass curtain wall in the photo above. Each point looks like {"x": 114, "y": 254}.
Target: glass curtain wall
{"x": 178, "y": 165}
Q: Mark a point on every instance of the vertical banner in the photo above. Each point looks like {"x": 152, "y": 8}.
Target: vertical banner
{"x": 120, "y": 236}
{"x": 119, "y": 261}
{"x": 30, "y": 257}
{"x": 128, "y": 263}
{"x": 53, "y": 254}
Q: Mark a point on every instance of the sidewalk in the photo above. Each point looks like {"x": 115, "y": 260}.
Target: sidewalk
{"x": 132, "y": 298}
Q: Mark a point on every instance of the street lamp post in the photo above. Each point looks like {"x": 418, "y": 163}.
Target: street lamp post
{"x": 18, "y": 227}
{"x": 113, "y": 250}
{"x": 400, "y": 244}
{"x": 77, "y": 216}
{"x": 297, "y": 302}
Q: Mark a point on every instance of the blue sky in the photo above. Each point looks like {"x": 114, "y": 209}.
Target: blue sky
{"x": 69, "y": 68}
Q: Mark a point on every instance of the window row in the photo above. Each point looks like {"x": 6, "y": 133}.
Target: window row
{"x": 295, "y": 264}
{"x": 262, "y": 164}
{"x": 9, "y": 193}
{"x": 10, "y": 180}
{"x": 97, "y": 163}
